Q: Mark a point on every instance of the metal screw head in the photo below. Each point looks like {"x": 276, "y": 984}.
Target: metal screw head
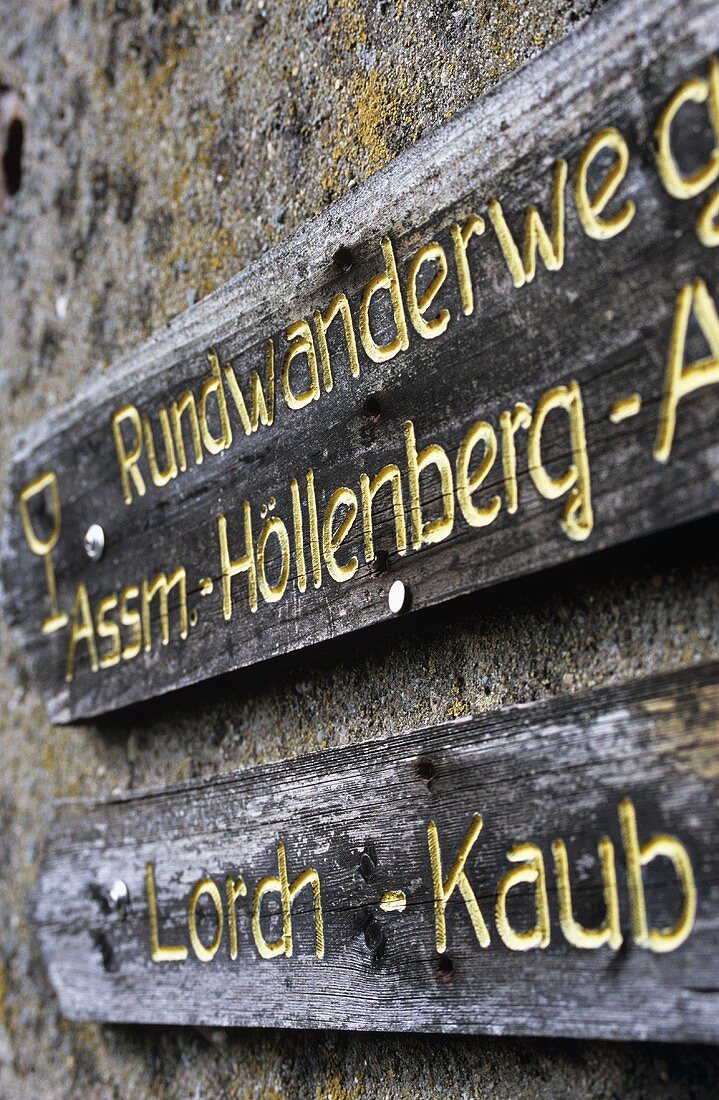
{"x": 94, "y": 542}
{"x": 397, "y": 596}
{"x": 118, "y": 896}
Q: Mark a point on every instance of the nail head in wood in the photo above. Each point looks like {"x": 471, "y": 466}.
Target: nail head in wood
{"x": 118, "y": 897}
{"x": 397, "y": 597}
{"x": 94, "y": 542}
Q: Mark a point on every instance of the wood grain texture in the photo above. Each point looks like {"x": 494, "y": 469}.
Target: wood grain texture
{"x": 603, "y": 320}
{"x": 359, "y": 816}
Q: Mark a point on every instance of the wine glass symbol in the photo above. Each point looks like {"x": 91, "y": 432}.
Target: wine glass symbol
{"x": 43, "y": 545}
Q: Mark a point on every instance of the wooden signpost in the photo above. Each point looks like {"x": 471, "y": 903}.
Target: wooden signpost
{"x": 549, "y": 870}
{"x": 500, "y": 353}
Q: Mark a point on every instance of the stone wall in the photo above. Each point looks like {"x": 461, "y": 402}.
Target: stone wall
{"x": 167, "y": 143}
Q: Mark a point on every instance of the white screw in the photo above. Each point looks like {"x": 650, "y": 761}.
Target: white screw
{"x": 397, "y": 596}
{"x": 94, "y": 542}
{"x": 118, "y": 896}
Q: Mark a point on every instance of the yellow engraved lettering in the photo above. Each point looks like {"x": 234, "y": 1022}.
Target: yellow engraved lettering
{"x": 461, "y": 236}
{"x": 531, "y": 872}
{"x": 108, "y": 628}
{"x": 271, "y": 593}
{"x": 129, "y": 473}
{"x": 44, "y": 546}
{"x": 162, "y": 585}
{"x": 388, "y": 475}
{"x": 131, "y": 617}
{"x": 204, "y": 886}
{"x": 638, "y": 856}
{"x": 214, "y": 387}
{"x": 510, "y": 423}
{"x": 41, "y": 546}
{"x": 235, "y": 889}
{"x": 695, "y": 90}
{"x": 444, "y": 888}
{"x": 186, "y": 404}
{"x": 424, "y": 533}
{"x": 299, "y": 535}
{"x": 625, "y": 408}
{"x": 468, "y": 484}
{"x": 333, "y": 539}
{"x": 309, "y": 877}
{"x": 430, "y": 253}
{"x": 81, "y": 630}
{"x": 300, "y": 334}
{"x": 707, "y": 228}
{"x": 158, "y": 952}
{"x": 387, "y": 280}
{"x": 609, "y": 930}
{"x": 393, "y": 901}
{"x": 288, "y": 891}
{"x": 536, "y": 238}
{"x": 262, "y": 405}
{"x": 589, "y": 208}
{"x": 245, "y": 564}
{"x": 693, "y": 299}
{"x": 267, "y": 885}
{"x": 339, "y": 304}
{"x": 160, "y": 477}
{"x": 314, "y": 529}
{"x": 578, "y": 519}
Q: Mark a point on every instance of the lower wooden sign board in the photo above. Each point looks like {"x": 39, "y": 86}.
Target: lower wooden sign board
{"x": 552, "y": 869}
{"x": 498, "y": 354}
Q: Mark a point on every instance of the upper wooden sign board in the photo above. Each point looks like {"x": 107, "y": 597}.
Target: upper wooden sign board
{"x": 498, "y": 354}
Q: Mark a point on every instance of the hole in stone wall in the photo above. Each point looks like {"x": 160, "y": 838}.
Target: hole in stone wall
{"x": 12, "y": 142}
{"x": 12, "y": 157}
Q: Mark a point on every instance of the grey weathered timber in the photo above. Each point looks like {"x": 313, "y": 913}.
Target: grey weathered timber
{"x": 359, "y": 817}
{"x": 603, "y": 321}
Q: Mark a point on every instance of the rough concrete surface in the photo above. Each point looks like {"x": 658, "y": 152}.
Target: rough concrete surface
{"x": 167, "y": 143}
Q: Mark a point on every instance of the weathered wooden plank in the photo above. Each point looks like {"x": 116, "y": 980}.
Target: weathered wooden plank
{"x": 360, "y": 818}
{"x": 627, "y": 449}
